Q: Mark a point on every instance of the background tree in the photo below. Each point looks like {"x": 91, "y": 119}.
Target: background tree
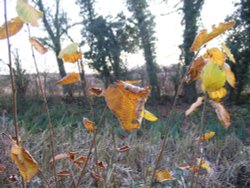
{"x": 145, "y": 24}
{"x": 191, "y": 12}
{"x": 239, "y": 43}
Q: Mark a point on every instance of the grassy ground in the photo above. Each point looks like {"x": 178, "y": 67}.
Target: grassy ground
{"x": 228, "y": 153}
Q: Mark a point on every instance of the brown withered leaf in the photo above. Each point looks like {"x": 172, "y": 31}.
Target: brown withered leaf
{"x": 81, "y": 160}
{"x": 14, "y": 26}
{"x": 64, "y": 173}
{"x": 123, "y": 148}
{"x": 69, "y": 79}
{"x": 96, "y": 176}
{"x": 194, "y": 106}
{"x": 222, "y": 114}
{"x": 38, "y": 46}
{"x": 195, "y": 69}
{"x": 126, "y": 102}
{"x": 100, "y": 165}
{"x": 96, "y": 91}
{"x": 184, "y": 166}
{"x": 72, "y": 155}
{"x": 26, "y": 164}
{"x": 89, "y": 125}
{"x": 163, "y": 175}
{"x": 58, "y": 157}
{"x": 203, "y": 37}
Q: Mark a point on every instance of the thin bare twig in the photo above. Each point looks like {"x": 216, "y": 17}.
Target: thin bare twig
{"x": 50, "y": 127}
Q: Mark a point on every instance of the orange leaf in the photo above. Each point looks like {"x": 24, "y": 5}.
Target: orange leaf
{"x": 218, "y": 94}
{"x": 205, "y": 137}
{"x": 100, "y": 165}
{"x": 203, "y": 37}
{"x": 229, "y": 75}
{"x": 96, "y": 176}
{"x": 72, "y": 58}
{"x": 96, "y": 91}
{"x": 64, "y": 173}
{"x": 89, "y": 125}
{"x": 216, "y": 56}
{"x": 222, "y": 114}
{"x": 195, "y": 69}
{"x": 194, "y": 106}
{"x": 72, "y": 155}
{"x": 58, "y": 157}
{"x": 38, "y": 46}
{"x": 163, "y": 175}
{"x": 2, "y": 168}
{"x": 26, "y": 164}
{"x": 126, "y": 102}
{"x": 14, "y": 26}
{"x": 133, "y": 81}
{"x": 123, "y": 148}
{"x": 81, "y": 160}
{"x": 69, "y": 79}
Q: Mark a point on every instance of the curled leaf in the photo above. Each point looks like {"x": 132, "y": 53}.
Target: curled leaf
{"x": 100, "y": 165}
{"x": 149, "y": 116}
{"x": 126, "y": 102}
{"x": 81, "y": 160}
{"x": 70, "y": 49}
{"x": 69, "y": 79}
{"x": 228, "y": 52}
{"x": 38, "y": 46}
{"x": 212, "y": 77}
{"x": 218, "y": 94}
{"x": 163, "y": 175}
{"x": 89, "y": 125}
{"x": 96, "y": 91}
{"x": 205, "y": 137}
{"x": 194, "y": 106}
{"x": 64, "y": 173}
{"x": 96, "y": 176}
{"x": 229, "y": 75}
{"x": 216, "y": 56}
{"x": 203, "y": 37}
{"x": 27, "y": 13}
{"x": 72, "y": 58}
{"x": 26, "y": 164}
{"x": 222, "y": 114}
{"x": 195, "y": 69}
{"x": 14, "y": 26}
{"x": 72, "y": 155}
{"x": 58, "y": 157}
{"x": 123, "y": 148}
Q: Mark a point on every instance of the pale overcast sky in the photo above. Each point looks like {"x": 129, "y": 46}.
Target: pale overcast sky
{"x": 168, "y": 31}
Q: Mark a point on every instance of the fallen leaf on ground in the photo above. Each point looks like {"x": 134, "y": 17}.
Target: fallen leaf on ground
{"x": 204, "y": 164}
{"x": 163, "y": 175}
{"x": 72, "y": 155}
{"x": 205, "y": 137}
{"x": 96, "y": 176}
{"x": 64, "y": 173}
{"x": 100, "y": 165}
{"x": 81, "y": 160}
{"x": 89, "y": 125}
{"x": 2, "y": 168}
{"x": 123, "y": 148}
{"x": 58, "y": 157}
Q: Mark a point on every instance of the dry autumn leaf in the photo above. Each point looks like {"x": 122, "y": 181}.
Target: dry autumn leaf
{"x": 80, "y": 160}
{"x": 229, "y": 75}
{"x": 222, "y": 114}
{"x": 163, "y": 175}
{"x": 194, "y": 106}
{"x": 126, "y": 102}
{"x": 204, "y": 164}
{"x": 96, "y": 176}
{"x": 69, "y": 79}
{"x": 58, "y": 157}
{"x": 26, "y": 164}
{"x": 72, "y": 155}
{"x": 100, "y": 165}
{"x": 96, "y": 91}
{"x": 184, "y": 166}
{"x": 27, "y": 13}
{"x": 149, "y": 116}
{"x": 218, "y": 94}
{"x": 72, "y": 58}
{"x": 89, "y": 125}
{"x": 14, "y": 26}
{"x": 2, "y": 168}
{"x": 133, "y": 81}
{"x": 123, "y": 148}
{"x": 38, "y": 46}
{"x": 203, "y": 37}
{"x": 195, "y": 69}
{"x": 64, "y": 173}
{"x": 205, "y": 137}
{"x": 228, "y": 52}
{"x": 216, "y": 56}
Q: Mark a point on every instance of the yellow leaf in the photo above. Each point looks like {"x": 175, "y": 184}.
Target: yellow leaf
{"x": 149, "y": 116}
{"x": 69, "y": 79}
{"x": 218, "y": 94}
{"x": 27, "y": 13}
{"x": 89, "y": 125}
{"x": 215, "y": 56}
{"x": 203, "y": 37}
{"x": 212, "y": 77}
{"x": 163, "y": 175}
{"x": 228, "y": 52}
{"x": 126, "y": 102}
{"x": 73, "y": 57}
{"x": 14, "y": 26}
{"x": 229, "y": 75}
{"x": 70, "y": 49}
{"x": 38, "y": 46}
{"x": 205, "y": 137}
{"x": 26, "y": 164}
{"x": 222, "y": 114}
{"x": 195, "y": 69}
{"x": 194, "y": 106}
{"x": 133, "y": 81}
{"x": 204, "y": 164}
